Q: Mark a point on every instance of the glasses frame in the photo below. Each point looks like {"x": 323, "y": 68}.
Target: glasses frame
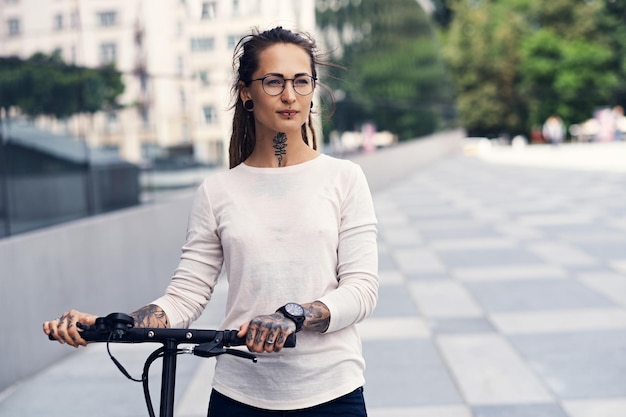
{"x": 262, "y": 79}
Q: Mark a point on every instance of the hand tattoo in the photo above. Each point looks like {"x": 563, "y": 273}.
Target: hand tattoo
{"x": 280, "y": 143}
{"x": 69, "y": 317}
{"x": 150, "y": 316}
{"x": 317, "y": 316}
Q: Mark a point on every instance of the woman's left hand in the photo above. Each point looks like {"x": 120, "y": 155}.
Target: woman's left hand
{"x": 267, "y": 333}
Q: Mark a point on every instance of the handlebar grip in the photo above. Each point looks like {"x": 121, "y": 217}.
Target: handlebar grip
{"x": 291, "y": 341}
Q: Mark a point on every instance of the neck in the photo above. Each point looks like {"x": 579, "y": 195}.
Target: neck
{"x": 280, "y": 150}
{"x": 279, "y": 143}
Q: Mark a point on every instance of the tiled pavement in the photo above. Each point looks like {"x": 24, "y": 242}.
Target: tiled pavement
{"x": 503, "y": 294}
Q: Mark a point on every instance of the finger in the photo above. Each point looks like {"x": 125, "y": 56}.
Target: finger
{"x": 258, "y": 343}
{"x": 73, "y": 333}
{"x": 53, "y": 327}
{"x": 257, "y": 334}
{"x": 251, "y": 336}
{"x": 270, "y": 341}
{"x": 280, "y": 341}
{"x": 67, "y": 329}
{"x": 243, "y": 330}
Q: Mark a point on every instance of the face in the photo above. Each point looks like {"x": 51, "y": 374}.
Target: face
{"x": 287, "y": 111}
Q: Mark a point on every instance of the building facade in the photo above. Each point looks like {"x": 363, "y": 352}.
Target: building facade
{"x": 175, "y": 57}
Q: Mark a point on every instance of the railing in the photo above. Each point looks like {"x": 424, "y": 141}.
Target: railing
{"x": 38, "y": 190}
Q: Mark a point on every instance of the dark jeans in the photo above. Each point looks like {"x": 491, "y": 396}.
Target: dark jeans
{"x": 350, "y": 405}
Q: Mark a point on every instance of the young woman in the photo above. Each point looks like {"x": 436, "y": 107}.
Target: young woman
{"x": 295, "y": 231}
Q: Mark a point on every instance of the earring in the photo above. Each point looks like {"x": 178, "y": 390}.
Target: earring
{"x": 248, "y": 104}
{"x": 311, "y": 104}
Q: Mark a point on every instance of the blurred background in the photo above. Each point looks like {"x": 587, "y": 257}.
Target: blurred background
{"x": 112, "y": 112}
{"x": 105, "y": 103}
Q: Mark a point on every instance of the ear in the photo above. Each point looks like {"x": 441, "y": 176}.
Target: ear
{"x": 244, "y": 92}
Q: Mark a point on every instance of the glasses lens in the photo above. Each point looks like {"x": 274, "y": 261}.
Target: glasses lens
{"x": 303, "y": 85}
{"x": 273, "y": 85}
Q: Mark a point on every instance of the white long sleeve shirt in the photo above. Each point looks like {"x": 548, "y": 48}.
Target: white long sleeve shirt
{"x": 299, "y": 233}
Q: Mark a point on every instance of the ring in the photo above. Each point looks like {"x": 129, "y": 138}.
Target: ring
{"x": 269, "y": 342}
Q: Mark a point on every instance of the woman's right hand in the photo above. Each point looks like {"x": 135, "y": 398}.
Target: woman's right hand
{"x": 64, "y": 328}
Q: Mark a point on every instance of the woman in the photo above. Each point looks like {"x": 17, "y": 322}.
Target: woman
{"x": 295, "y": 231}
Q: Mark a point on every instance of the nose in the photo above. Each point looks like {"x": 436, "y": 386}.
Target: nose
{"x": 289, "y": 93}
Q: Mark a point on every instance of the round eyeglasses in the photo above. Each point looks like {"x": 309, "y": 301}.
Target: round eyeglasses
{"x": 274, "y": 85}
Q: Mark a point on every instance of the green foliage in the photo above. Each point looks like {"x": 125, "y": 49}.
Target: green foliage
{"x": 515, "y": 62}
{"x": 44, "y": 85}
{"x": 612, "y": 26}
{"x": 571, "y": 78}
{"x": 482, "y": 54}
{"x": 396, "y": 77}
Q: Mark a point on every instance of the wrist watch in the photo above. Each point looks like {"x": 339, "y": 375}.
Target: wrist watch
{"x": 294, "y": 312}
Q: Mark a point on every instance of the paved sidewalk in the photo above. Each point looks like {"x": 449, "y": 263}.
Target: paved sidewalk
{"x": 504, "y": 289}
{"x": 503, "y": 294}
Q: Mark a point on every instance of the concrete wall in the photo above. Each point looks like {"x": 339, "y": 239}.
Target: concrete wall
{"x": 123, "y": 260}
{"x": 384, "y": 166}
{"x": 112, "y": 262}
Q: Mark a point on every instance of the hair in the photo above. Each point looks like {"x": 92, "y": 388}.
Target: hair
{"x": 246, "y": 62}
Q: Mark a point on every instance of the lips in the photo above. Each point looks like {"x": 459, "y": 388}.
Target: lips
{"x": 288, "y": 113}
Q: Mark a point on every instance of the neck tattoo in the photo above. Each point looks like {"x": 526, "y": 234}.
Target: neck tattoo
{"x": 280, "y": 143}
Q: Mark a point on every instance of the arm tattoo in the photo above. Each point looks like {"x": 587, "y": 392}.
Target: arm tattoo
{"x": 150, "y": 316}
{"x": 317, "y": 316}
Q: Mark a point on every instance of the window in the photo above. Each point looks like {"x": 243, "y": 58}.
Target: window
{"x": 210, "y": 115}
{"x": 58, "y": 22}
{"x": 144, "y": 113}
{"x": 209, "y": 10}
{"x": 108, "y": 53}
{"x": 143, "y": 81}
{"x": 59, "y": 51}
{"x": 74, "y": 19}
{"x": 232, "y": 40}
{"x": 183, "y": 99}
{"x": 13, "y": 27}
{"x": 180, "y": 66}
{"x": 202, "y": 44}
{"x": 111, "y": 122}
{"x": 204, "y": 77}
{"x": 108, "y": 18}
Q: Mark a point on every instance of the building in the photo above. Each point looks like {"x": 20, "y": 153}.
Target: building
{"x": 176, "y": 57}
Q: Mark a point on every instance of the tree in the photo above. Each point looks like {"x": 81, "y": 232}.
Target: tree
{"x": 10, "y": 82}
{"x": 482, "y": 53}
{"x": 396, "y": 77}
{"x": 515, "y": 62}
{"x": 44, "y": 85}
{"x": 612, "y": 26}
{"x": 570, "y": 78}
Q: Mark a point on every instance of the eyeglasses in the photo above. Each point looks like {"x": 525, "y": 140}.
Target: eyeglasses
{"x": 274, "y": 85}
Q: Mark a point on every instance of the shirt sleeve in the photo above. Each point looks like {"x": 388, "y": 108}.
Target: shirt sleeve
{"x": 199, "y": 267}
{"x": 357, "y": 266}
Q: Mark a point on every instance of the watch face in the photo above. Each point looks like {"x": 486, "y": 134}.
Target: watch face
{"x": 294, "y": 309}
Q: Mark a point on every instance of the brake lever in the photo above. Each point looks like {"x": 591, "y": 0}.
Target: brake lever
{"x": 211, "y": 349}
